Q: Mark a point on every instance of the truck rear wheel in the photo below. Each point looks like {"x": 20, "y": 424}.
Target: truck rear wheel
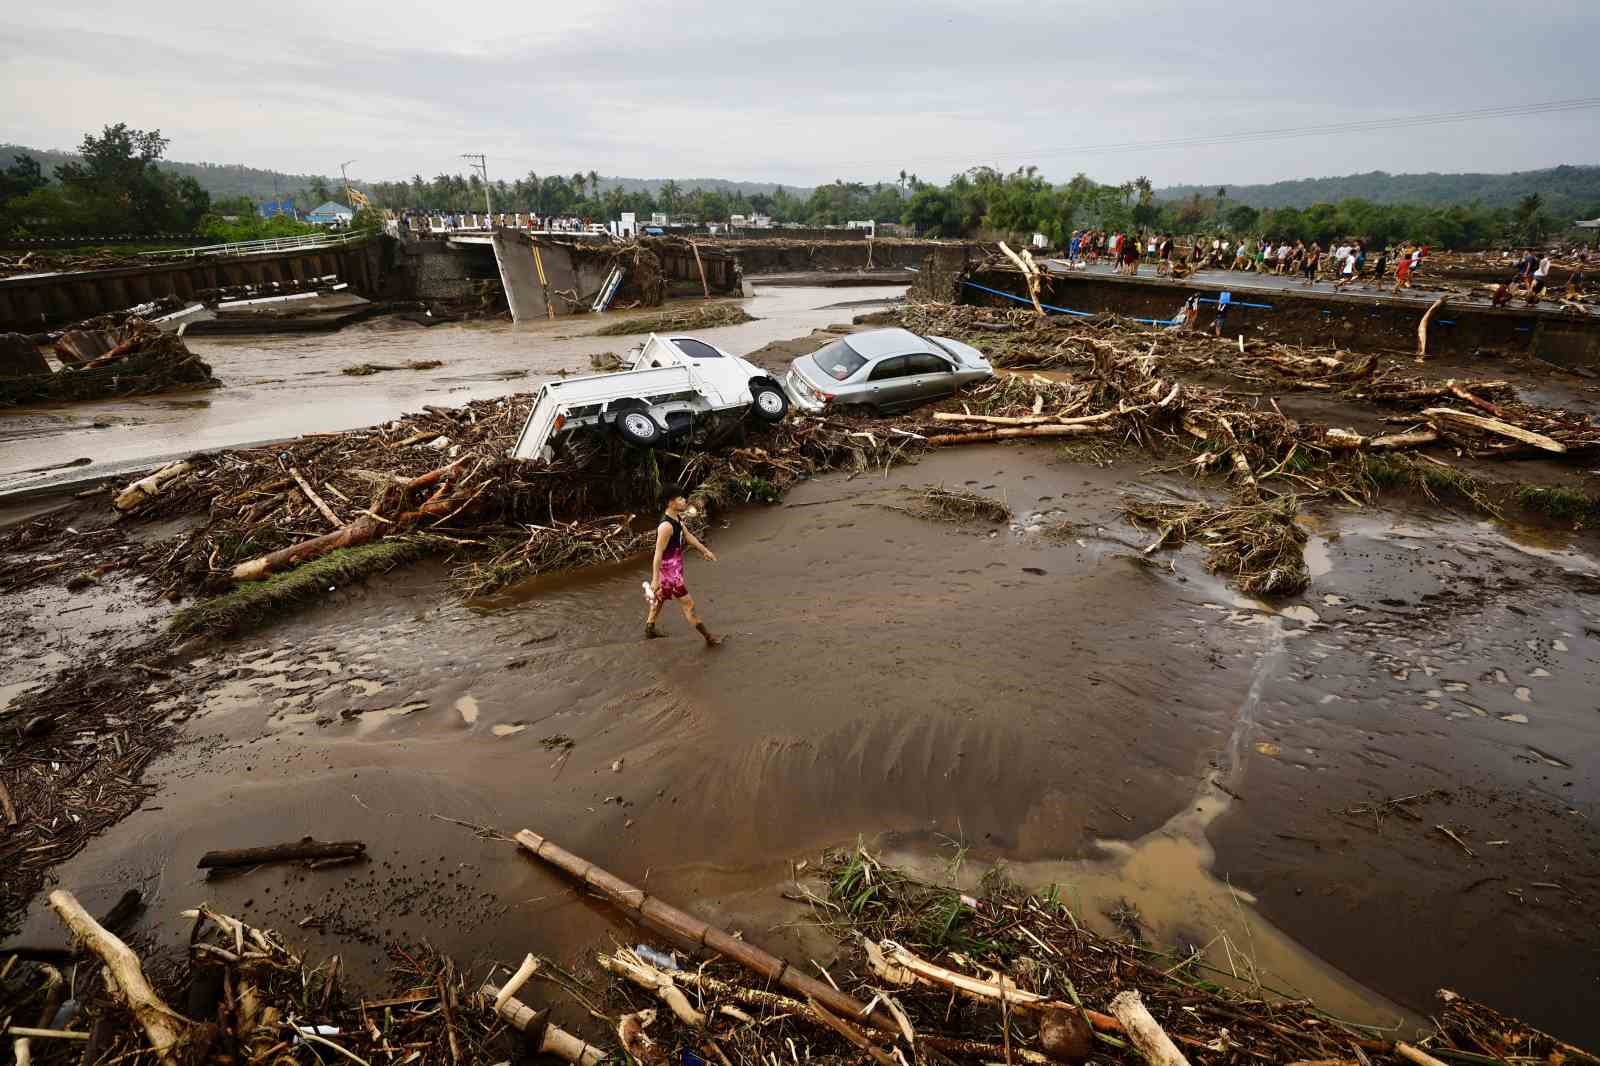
{"x": 635, "y": 425}
{"x": 770, "y": 402}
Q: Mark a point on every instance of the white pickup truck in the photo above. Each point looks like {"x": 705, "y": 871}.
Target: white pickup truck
{"x": 670, "y": 385}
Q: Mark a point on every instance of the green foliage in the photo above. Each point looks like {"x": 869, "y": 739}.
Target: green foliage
{"x": 255, "y": 601}
{"x": 251, "y": 226}
{"x": 114, "y": 186}
{"x": 1557, "y": 501}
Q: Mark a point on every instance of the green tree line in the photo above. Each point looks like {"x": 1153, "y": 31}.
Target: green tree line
{"x": 984, "y": 201}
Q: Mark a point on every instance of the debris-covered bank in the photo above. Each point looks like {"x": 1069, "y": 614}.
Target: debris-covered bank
{"x": 1118, "y": 402}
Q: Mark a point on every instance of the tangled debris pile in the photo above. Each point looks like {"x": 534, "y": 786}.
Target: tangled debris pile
{"x": 99, "y": 362}
{"x": 925, "y": 973}
{"x": 696, "y": 316}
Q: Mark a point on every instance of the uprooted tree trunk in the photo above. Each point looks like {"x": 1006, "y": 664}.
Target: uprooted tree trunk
{"x": 175, "y": 1039}
{"x": 361, "y": 531}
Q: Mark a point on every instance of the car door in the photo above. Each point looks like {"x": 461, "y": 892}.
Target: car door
{"x": 929, "y": 377}
{"x": 889, "y": 383}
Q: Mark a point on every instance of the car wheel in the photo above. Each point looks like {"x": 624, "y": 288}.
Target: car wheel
{"x": 770, "y": 402}
{"x": 634, "y": 425}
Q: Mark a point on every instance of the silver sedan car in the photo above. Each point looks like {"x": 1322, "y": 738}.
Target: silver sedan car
{"x": 886, "y": 369}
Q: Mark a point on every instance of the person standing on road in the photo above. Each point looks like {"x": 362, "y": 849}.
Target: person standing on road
{"x": 1541, "y": 275}
{"x": 666, "y": 571}
{"x": 1347, "y": 268}
{"x": 1313, "y": 258}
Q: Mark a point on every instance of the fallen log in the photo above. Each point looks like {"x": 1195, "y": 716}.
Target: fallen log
{"x": 174, "y": 1038}
{"x": 1144, "y": 1032}
{"x": 306, "y": 848}
{"x": 147, "y": 488}
{"x": 668, "y": 919}
{"x": 1496, "y": 426}
{"x": 548, "y": 1039}
{"x": 1025, "y": 420}
{"x": 1012, "y": 434}
{"x": 1349, "y": 440}
{"x": 361, "y": 531}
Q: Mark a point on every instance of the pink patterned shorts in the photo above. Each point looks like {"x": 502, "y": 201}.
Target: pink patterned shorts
{"x": 672, "y": 585}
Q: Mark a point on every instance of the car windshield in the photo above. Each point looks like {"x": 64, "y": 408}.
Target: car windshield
{"x": 839, "y": 360}
{"x": 696, "y": 349}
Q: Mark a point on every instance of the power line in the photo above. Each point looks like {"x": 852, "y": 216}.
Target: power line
{"x": 1286, "y": 132}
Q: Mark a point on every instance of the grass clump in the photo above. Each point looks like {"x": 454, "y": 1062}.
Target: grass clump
{"x": 361, "y": 370}
{"x": 255, "y": 601}
{"x": 1557, "y": 501}
{"x": 1260, "y": 544}
{"x": 1438, "y": 481}
{"x": 699, "y": 316}
{"x": 939, "y": 504}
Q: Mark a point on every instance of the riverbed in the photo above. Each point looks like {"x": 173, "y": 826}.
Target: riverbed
{"x": 1121, "y": 725}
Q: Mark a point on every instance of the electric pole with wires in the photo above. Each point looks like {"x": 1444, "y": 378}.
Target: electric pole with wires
{"x": 478, "y": 164}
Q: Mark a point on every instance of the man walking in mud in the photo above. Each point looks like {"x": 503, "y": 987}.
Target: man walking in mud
{"x": 666, "y": 571}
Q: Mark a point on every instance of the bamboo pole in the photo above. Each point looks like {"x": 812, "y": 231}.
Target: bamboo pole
{"x": 698, "y": 265}
{"x": 553, "y": 1040}
{"x": 670, "y": 920}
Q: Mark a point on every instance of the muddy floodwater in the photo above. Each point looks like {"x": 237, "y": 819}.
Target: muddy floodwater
{"x": 279, "y": 386}
{"x": 1121, "y": 726}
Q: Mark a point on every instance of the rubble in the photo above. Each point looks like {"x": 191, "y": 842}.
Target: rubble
{"x": 132, "y": 359}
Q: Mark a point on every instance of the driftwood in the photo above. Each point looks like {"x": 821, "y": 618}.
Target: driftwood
{"x": 1143, "y": 1031}
{"x": 1496, "y": 426}
{"x": 148, "y": 487}
{"x": 1031, "y": 277}
{"x": 1025, "y": 420}
{"x": 668, "y": 919}
{"x": 174, "y": 1038}
{"x": 361, "y": 531}
{"x": 1350, "y": 440}
{"x": 1422, "y": 326}
{"x": 548, "y": 1039}
{"x": 628, "y": 965}
{"x": 1416, "y": 1055}
{"x": 316, "y": 501}
{"x": 899, "y": 966}
{"x": 852, "y": 1034}
{"x": 301, "y": 849}
{"x": 980, "y": 436}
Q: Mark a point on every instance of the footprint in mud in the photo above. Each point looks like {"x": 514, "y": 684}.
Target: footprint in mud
{"x": 1033, "y": 570}
{"x": 508, "y": 729}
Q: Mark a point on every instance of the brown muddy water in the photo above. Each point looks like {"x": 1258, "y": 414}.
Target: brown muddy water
{"x": 1136, "y": 735}
{"x": 283, "y": 385}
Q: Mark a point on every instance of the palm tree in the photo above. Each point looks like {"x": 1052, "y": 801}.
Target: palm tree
{"x": 594, "y": 185}
{"x": 579, "y": 183}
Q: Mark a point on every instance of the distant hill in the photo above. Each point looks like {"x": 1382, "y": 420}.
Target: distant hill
{"x": 223, "y": 181}
{"x": 1567, "y": 190}
{"x": 227, "y": 180}
{"x": 743, "y": 188}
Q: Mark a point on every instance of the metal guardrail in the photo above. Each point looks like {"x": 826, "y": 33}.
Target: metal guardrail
{"x": 301, "y": 242}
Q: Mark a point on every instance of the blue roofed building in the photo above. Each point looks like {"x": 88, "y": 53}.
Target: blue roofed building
{"x": 331, "y": 214}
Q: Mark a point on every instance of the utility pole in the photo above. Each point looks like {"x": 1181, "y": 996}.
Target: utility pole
{"x": 344, "y": 169}
{"x": 478, "y": 164}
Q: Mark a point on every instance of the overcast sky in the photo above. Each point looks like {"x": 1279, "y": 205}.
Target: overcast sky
{"x": 805, "y": 93}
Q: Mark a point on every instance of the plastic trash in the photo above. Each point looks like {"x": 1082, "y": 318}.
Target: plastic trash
{"x": 661, "y": 960}
{"x": 649, "y": 597}
{"x": 65, "y": 1014}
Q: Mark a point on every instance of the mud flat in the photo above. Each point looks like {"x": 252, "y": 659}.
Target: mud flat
{"x": 1392, "y": 754}
{"x": 1024, "y": 697}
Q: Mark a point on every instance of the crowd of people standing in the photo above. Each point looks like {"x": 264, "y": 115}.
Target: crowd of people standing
{"x": 1346, "y": 264}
